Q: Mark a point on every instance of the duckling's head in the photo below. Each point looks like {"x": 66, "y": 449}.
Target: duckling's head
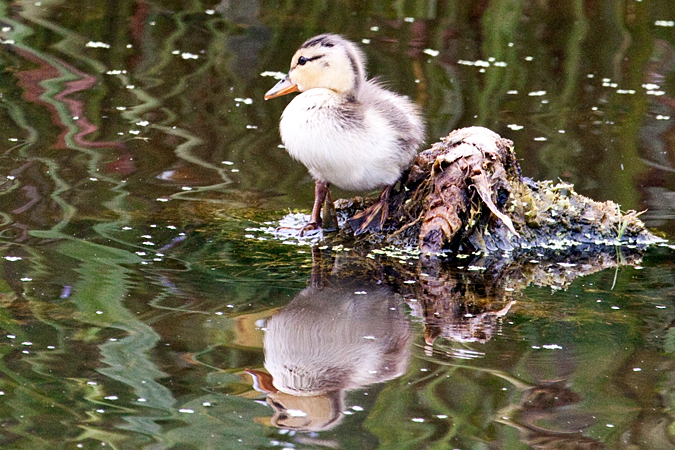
{"x": 326, "y": 61}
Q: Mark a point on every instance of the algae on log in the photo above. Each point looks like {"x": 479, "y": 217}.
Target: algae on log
{"x": 467, "y": 192}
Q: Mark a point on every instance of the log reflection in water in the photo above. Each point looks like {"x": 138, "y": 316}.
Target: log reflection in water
{"x": 464, "y": 300}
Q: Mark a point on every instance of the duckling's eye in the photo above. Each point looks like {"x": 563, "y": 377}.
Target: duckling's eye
{"x": 302, "y": 60}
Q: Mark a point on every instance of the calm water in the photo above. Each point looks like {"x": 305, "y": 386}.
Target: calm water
{"x": 143, "y": 305}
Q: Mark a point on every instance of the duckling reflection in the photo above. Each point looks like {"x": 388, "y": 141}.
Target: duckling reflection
{"x": 331, "y": 339}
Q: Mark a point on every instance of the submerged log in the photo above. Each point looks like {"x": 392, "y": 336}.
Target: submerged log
{"x": 467, "y": 193}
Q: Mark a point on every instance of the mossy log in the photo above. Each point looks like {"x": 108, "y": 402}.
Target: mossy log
{"x": 467, "y": 192}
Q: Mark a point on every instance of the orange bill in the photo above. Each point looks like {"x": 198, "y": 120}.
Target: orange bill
{"x": 283, "y": 87}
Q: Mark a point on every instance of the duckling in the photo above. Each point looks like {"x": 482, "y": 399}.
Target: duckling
{"x": 347, "y": 130}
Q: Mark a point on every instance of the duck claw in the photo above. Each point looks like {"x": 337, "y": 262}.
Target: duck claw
{"x": 370, "y": 219}
{"x": 373, "y": 217}
{"x": 311, "y": 226}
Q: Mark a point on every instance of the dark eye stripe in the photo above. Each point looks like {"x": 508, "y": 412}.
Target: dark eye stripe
{"x": 302, "y": 60}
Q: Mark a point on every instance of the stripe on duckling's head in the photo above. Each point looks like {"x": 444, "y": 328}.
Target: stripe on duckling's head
{"x": 323, "y": 40}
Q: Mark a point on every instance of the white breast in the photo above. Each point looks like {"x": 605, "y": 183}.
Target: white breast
{"x": 352, "y": 150}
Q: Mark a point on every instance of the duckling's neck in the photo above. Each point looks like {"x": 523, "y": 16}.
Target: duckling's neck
{"x": 349, "y": 97}
{"x": 347, "y": 90}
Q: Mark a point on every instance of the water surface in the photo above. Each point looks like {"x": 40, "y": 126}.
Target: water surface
{"x": 139, "y": 165}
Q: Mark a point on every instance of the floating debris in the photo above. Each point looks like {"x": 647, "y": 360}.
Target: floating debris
{"x": 93, "y": 44}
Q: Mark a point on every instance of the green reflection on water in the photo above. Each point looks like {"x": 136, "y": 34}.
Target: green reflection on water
{"x": 120, "y": 296}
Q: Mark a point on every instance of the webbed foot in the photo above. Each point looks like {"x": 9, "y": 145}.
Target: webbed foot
{"x": 320, "y": 193}
{"x": 373, "y": 217}
{"x": 311, "y": 226}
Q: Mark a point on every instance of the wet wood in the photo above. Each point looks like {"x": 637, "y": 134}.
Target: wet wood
{"x": 467, "y": 193}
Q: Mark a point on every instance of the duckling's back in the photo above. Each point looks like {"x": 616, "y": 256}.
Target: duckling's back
{"x": 403, "y": 116}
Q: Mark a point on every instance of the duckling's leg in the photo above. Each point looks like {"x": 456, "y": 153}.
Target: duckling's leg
{"x": 320, "y": 192}
{"x": 373, "y": 217}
